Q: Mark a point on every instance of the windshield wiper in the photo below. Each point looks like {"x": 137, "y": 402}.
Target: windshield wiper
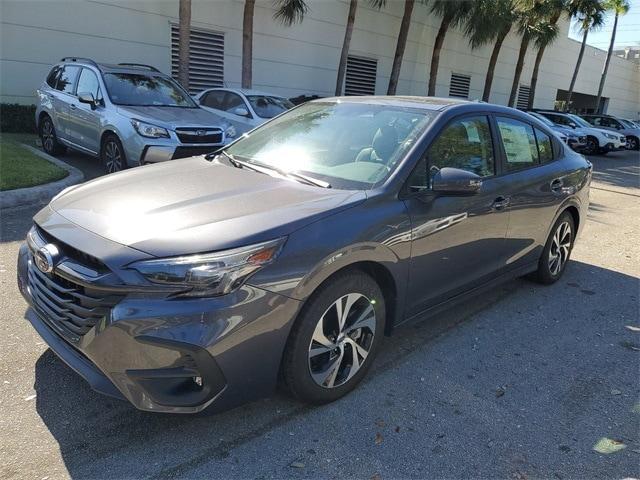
{"x": 263, "y": 168}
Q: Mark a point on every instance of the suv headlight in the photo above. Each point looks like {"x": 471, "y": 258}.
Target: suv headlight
{"x": 148, "y": 130}
{"x": 611, "y": 136}
{"x": 230, "y": 132}
{"x": 210, "y": 274}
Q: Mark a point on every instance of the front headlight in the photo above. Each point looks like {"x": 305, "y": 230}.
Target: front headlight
{"x": 230, "y": 132}
{"x": 148, "y": 130}
{"x": 611, "y": 136}
{"x": 210, "y": 274}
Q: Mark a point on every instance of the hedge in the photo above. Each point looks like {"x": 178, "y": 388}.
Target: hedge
{"x": 15, "y": 118}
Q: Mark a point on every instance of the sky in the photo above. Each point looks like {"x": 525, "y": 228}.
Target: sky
{"x": 628, "y": 33}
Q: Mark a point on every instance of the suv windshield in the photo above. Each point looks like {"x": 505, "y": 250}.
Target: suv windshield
{"x": 140, "y": 90}
{"x": 580, "y": 121}
{"x": 349, "y": 145}
{"x": 268, "y": 107}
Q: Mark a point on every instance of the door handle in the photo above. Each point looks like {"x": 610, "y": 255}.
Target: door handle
{"x": 73, "y": 106}
{"x": 557, "y": 185}
{"x": 501, "y": 203}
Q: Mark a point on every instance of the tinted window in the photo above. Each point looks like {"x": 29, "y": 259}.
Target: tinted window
{"x": 67, "y": 78}
{"x": 268, "y": 107}
{"x": 519, "y": 143}
{"x": 545, "y": 147}
{"x": 52, "y": 78}
{"x": 142, "y": 90}
{"x": 88, "y": 83}
{"x": 233, "y": 101}
{"x": 214, "y": 99}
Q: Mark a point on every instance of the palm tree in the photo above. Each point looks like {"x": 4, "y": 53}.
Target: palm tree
{"x": 489, "y": 21}
{"x": 453, "y": 13}
{"x": 590, "y": 16}
{"x": 619, "y": 7}
{"x": 184, "y": 32}
{"x": 287, "y": 11}
{"x": 403, "y": 35}
{"x": 545, "y": 36}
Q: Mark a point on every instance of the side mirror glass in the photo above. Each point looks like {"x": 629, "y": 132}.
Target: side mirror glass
{"x": 87, "y": 98}
{"x": 455, "y": 181}
{"x": 243, "y": 112}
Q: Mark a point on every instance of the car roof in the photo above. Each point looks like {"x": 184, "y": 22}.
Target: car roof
{"x": 111, "y": 67}
{"x": 243, "y": 91}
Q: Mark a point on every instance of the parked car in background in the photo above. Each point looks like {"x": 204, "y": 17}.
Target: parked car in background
{"x": 245, "y": 109}
{"x": 291, "y": 253}
{"x": 574, "y": 137}
{"x": 599, "y": 140}
{"x": 125, "y": 114}
{"x": 609, "y": 122}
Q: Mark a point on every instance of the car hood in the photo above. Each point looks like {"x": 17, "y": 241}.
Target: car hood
{"x": 174, "y": 117}
{"x": 194, "y": 205}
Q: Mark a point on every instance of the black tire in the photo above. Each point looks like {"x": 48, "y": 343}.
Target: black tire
{"x": 112, "y": 154}
{"x": 547, "y": 273}
{"x": 49, "y": 138}
{"x": 298, "y": 361}
{"x": 633, "y": 143}
{"x": 592, "y": 147}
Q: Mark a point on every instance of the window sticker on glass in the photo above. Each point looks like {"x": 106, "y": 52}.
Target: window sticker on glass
{"x": 516, "y": 143}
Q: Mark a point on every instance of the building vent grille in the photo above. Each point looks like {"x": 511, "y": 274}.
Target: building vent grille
{"x": 523, "y": 97}
{"x": 459, "y": 86}
{"x": 361, "y": 76}
{"x": 206, "y": 58}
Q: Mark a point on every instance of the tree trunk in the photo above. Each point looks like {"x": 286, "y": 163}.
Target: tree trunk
{"x": 492, "y": 63}
{"x": 247, "y": 43}
{"x": 184, "y": 33}
{"x": 606, "y": 63}
{"x": 400, "y": 46}
{"x": 575, "y": 71}
{"x": 435, "y": 56}
{"x": 524, "y": 44}
{"x": 534, "y": 77}
{"x": 342, "y": 66}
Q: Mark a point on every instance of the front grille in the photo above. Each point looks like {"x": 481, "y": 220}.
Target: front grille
{"x": 184, "y": 152}
{"x": 202, "y": 135}
{"x": 69, "y": 308}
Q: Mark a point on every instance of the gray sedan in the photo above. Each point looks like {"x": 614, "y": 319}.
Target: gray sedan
{"x": 288, "y": 256}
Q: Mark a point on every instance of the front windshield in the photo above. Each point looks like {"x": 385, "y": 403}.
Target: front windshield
{"x": 142, "y": 90}
{"x": 580, "y": 121}
{"x": 268, "y": 107}
{"x": 626, "y": 123}
{"x": 349, "y": 145}
{"x": 542, "y": 118}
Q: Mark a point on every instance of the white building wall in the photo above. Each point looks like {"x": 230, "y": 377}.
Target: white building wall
{"x": 287, "y": 60}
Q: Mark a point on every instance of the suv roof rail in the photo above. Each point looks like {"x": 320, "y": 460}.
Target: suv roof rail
{"x": 139, "y": 65}
{"x": 79, "y": 59}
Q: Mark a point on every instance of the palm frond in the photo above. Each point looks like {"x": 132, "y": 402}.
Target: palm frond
{"x": 290, "y": 11}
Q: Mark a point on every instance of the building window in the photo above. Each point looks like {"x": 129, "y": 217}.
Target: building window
{"x": 523, "y": 97}
{"x": 459, "y": 86}
{"x": 360, "y": 78}
{"x": 206, "y": 58}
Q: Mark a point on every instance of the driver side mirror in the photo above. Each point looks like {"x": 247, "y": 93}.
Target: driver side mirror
{"x": 455, "y": 181}
{"x": 87, "y": 98}
{"x": 241, "y": 111}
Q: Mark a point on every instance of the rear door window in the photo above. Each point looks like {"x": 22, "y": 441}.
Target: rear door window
{"x": 67, "y": 79}
{"x": 519, "y": 143}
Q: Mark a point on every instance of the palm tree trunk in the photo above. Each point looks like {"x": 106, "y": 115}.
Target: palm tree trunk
{"x": 606, "y": 63}
{"x": 400, "y": 46}
{"x": 534, "y": 77}
{"x": 575, "y": 71}
{"x": 184, "y": 32}
{"x": 435, "y": 56}
{"x": 247, "y": 43}
{"x": 342, "y": 66}
{"x": 492, "y": 63}
{"x": 524, "y": 44}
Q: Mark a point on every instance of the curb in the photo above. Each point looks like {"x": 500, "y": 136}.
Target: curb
{"x": 41, "y": 193}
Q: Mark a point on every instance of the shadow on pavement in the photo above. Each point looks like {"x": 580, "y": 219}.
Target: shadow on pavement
{"x": 97, "y": 434}
{"x": 617, "y": 169}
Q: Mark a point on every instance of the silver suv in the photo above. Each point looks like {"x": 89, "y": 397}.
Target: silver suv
{"x": 126, "y": 114}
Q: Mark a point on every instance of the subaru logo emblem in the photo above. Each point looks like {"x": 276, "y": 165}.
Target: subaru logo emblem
{"x": 45, "y": 258}
{"x": 201, "y": 133}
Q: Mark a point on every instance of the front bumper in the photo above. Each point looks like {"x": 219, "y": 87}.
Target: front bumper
{"x": 176, "y": 356}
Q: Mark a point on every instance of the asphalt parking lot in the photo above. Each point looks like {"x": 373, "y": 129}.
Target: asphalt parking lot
{"x": 520, "y": 383}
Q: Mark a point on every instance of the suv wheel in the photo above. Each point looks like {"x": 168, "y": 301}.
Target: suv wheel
{"x": 557, "y": 250}
{"x": 633, "y": 143}
{"x": 335, "y": 339}
{"x": 112, "y": 154}
{"x": 592, "y": 146}
{"x": 48, "y": 137}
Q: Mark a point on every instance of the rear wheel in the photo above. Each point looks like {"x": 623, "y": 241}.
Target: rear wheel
{"x": 49, "y": 138}
{"x": 557, "y": 250}
{"x": 112, "y": 154}
{"x": 334, "y": 341}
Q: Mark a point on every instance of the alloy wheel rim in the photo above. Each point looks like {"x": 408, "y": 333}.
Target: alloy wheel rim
{"x": 633, "y": 144}
{"x": 113, "y": 158}
{"x": 342, "y": 340}
{"x": 47, "y": 136}
{"x": 592, "y": 145}
{"x": 560, "y": 248}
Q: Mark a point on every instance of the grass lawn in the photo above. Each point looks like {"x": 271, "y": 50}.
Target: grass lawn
{"x": 20, "y": 168}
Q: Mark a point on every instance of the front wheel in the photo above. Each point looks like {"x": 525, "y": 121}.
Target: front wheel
{"x": 557, "y": 250}
{"x": 335, "y": 339}
{"x": 633, "y": 143}
{"x": 592, "y": 146}
{"x": 112, "y": 154}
